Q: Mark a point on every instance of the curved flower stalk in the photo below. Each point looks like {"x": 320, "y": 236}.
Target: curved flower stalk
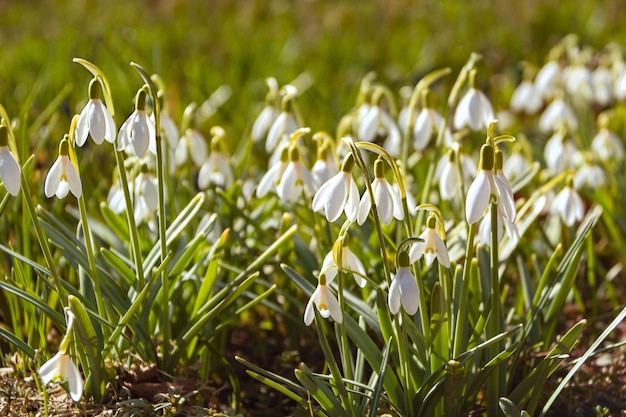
{"x": 63, "y": 176}
{"x": 216, "y": 169}
{"x": 474, "y": 108}
{"x": 95, "y": 120}
{"x": 338, "y": 194}
{"x": 138, "y": 130}
{"x": 403, "y": 290}
{"x": 10, "y": 170}
{"x": 342, "y": 258}
{"x": 386, "y": 197}
{"x": 325, "y": 302}
{"x": 296, "y": 179}
{"x": 432, "y": 247}
{"x": 60, "y": 367}
{"x": 568, "y": 205}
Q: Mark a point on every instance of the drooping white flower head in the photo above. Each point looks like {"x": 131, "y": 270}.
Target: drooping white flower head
{"x": 216, "y": 169}
{"x": 296, "y": 180}
{"x": 10, "y": 170}
{"x": 387, "y": 198}
{"x": 338, "y": 194}
{"x": 403, "y": 290}
{"x": 273, "y": 176}
{"x": 448, "y": 173}
{"x": 138, "y": 130}
{"x": 95, "y": 120}
{"x": 589, "y": 174}
{"x": 568, "y": 205}
{"x": 427, "y": 124}
{"x": 60, "y": 367}
{"x": 284, "y": 125}
{"x": 557, "y": 113}
{"x": 577, "y": 80}
{"x": 606, "y": 144}
{"x": 474, "y": 108}
{"x": 602, "y": 85}
{"x": 192, "y": 144}
{"x": 432, "y": 246}
{"x": 325, "y": 166}
{"x": 483, "y": 189}
{"x": 559, "y": 152}
{"x": 342, "y": 258}
{"x": 325, "y": 301}
{"x": 146, "y": 199}
{"x": 63, "y": 177}
{"x": 526, "y": 99}
{"x": 547, "y": 79}
{"x": 373, "y": 120}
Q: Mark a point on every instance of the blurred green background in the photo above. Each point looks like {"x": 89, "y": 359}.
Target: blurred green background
{"x": 196, "y": 46}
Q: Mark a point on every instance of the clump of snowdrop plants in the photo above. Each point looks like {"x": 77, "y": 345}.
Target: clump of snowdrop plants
{"x": 383, "y": 245}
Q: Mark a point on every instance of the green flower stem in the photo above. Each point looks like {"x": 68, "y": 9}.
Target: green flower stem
{"x": 89, "y": 248}
{"x": 43, "y": 242}
{"x": 132, "y": 227}
{"x": 493, "y": 329}
{"x": 161, "y": 214}
{"x": 343, "y": 340}
{"x": 461, "y": 325}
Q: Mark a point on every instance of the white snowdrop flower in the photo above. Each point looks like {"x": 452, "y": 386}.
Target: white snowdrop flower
{"x": 577, "y": 80}
{"x": 376, "y": 121}
{"x": 10, "y": 170}
{"x": 325, "y": 301}
{"x": 95, "y": 119}
{"x": 115, "y": 197}
{"x": 547, "y": 79}
{"x": 449, "y": 176}
{"x": 568, "y": 205}
{"x": 506, "y": 198}
{"x": 296, "y": 180}
{"x": 515, "y": 166}
{"x": 427, "y": 124}
{"x": 60, "y": 367}
{"x": 474, "y": 108}
{"x": 607, "y": 145}
{"x": 63, "y": 177}
{"x": 338, "y": 194}
{"x": 556, "y": 114}
{"x": 526, "y": 99}
{"x": 403, "y": 289}
{"x": 602, "y": 85}
{"x": 138, "y": 130}
{"x": 590, "y": 175}
{"x": 387, "y": 198}
{"x": 191, "y": 144}
{"x": 146, "y": 200}
{"x": 216, "y": 169}
{"x": 483, "y": 189}
{"x": 263, "y": 122}
{"x": 349, "y": 262}
{"x": 431, "y": 247}
{"x": 484, "y": 229}
{"x": 619, "y": 87}
{"x": 273, "y": 176}
{"x": 282, "y": 128}
{"x": 559, "y": 152}
{"x": 324, "y": 167}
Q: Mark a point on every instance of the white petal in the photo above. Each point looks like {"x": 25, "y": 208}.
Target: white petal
{"x": 140, "y": 134}
{"x": 82, "y": 128}
{"x": 276, "y": 132}
{"x": 269, "y": 179}
{"x": 369, "y": 124}
{"x": 309, "y": 314}
{"x": 10, "y": 171}
{"x": 180, "y": 155}
{"x": 398, "y": 208}
{"x": 355, "y": 265}
{"x": 123, "y": 136}
{"x": 364, "y": 208}
{"x": 505, "y": 198}
{"x": 384, "y": 201}
{"x": 394, "y": 139}
{"x": 96, "y": 121}
{"x": 478, "y": 197}
{"x": 394, "y": 295}
{"x": 286, "y": 189}
{"x": 63, "y": 190}
{"x": 74, "y": 380}
{"x": 49, "y": 370}
{"x": 333, "y": 307}
{"x": 417, "y": 250}
{"x": 352, "y": 204}
{"x": 197, "y": 147}
{"x": 423, "y": 130}
{"x": 53, "y": 179}
{"x": 109, "y": 135}
{"x": 329, "y": 198}
{"x": 262, "y": 123}
{"x": 73, "y": 180}
{"x": 409, "y": 291}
